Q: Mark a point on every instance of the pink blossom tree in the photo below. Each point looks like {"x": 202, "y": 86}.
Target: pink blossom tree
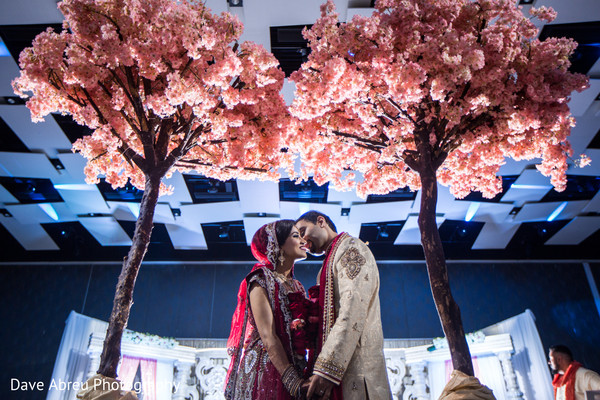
{"x": 165, "y": 86}
{"x": 434, "y": 91}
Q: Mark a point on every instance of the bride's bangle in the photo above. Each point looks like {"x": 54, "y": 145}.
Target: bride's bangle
{"x": 291, "y": 380}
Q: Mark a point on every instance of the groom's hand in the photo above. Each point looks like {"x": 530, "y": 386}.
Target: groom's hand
{"x": 319, "y": 388}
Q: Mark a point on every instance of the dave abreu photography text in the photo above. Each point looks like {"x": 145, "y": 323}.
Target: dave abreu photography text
{"x": 17, "y": 385}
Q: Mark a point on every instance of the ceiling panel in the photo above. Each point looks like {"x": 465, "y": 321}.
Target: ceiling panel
{"x": 8, "y": 70}
{"x": 26, "y": 165}
{"x": 212, "y": 212}
{"x": 124, "y": 211}
{"x": 410, "y": 234}
{"x": 41, "y": 136}
{"x": 542, "y": 211}
{"x": 593, "y": 205}
{"x": 258, "y": 197}
{"x": 74, "y": 164}
{"x": 83, "y": 199}
{"x": 251, "y": 225}
{"x": 531, "y": 185}
{"x": 41, "y": 213}
{"x": 30, "y": 236}
{"x": 346, "y": 199}
{"x": 581, "y": 101}
{"x": 380, "y": 212}
{"x": 592, "y": 169}
{"x": 6, "y": 197}
{"x": 343, "y": 224}
{"x": 513, "y": 167}
{"x": 365, "y": 12}
{"x": 185, "y": 232}
{"x": 595, "y": 70}
{"x": 457, "y": 209}
{"x": 216, "y": 6}
{"x": 29, "y": 12}
{"x": 575, "y": 231}
{"x": 495, "y": 236}
{"x": 572, "y": 10}
{"x": 583, "y": 133}
{"x": 184, "y": 238}
{"x": 106, "y": 230}
{"x": 292, "y": 209}
{"x": 180, "y": 193}
{"x": 492, "y": 212}
{"x": 163, "y": 214}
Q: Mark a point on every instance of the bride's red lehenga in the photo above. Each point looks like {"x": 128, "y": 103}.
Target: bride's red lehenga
{"x": 251, "y": 374}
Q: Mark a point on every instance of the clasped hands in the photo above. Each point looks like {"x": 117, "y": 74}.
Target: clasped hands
{"x": 316, "y": 387}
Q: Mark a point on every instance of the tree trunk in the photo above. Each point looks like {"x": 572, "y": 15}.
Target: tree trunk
{"x": 111, "y": 352}
{"x": 448, "y": 310}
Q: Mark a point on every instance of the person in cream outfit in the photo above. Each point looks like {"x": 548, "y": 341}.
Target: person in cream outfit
{"x": 349, "y": 360}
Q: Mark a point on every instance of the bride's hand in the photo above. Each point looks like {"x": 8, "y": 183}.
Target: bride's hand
{"x": 304, "y": 389}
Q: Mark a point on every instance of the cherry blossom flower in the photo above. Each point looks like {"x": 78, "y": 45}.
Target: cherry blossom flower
{"x": 129, "y": 68}
{"x": 466, "y": 75}
{"x": 428, "y": 91}
{"x": 164, "y": 86}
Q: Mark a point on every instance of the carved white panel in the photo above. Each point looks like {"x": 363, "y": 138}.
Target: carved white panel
{"x": 211, "y": 374}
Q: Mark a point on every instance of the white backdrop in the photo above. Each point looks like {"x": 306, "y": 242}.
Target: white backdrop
{"x": 529, "y": 361}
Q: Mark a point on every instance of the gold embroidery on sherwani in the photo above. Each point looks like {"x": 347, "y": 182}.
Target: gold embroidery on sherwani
{"x": 353, "y": 261}
{"x": 329, "y": 306}
{"x": 330, "y": 368}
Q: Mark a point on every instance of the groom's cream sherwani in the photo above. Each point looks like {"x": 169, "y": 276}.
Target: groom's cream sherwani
{"x": 352, "y": 351}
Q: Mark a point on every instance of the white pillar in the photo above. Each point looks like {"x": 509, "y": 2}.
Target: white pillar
{"x": 510, "y": 378}
{"x": 182, "y": 380}
{"x": 419, "y": 375}
{"x": 94, "y": 364}
{"x": 396, "y": 370}
{"x": 211, "y": 373}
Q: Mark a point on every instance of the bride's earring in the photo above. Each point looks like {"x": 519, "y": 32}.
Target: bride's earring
{"x": 281, "y": 258}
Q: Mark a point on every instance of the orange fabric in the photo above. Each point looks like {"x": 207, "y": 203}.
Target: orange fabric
{"x": 568, "y": 380}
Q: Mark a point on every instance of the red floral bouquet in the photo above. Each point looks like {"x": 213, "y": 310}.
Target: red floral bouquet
{"x": 305, "y": 317}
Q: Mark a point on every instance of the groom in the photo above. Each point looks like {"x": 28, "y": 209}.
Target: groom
{"x": 350, "y": 358}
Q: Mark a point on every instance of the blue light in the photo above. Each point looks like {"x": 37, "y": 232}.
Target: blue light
{"x": 48, "y": 209}
{"x": 72, "y": 186}
{"x": 4, "y": 50}
{"x": 351, "y": 53}
{"x": 473, "y": 207}
{"x": 557, "y": 211}
{"x": 517, "y": 186}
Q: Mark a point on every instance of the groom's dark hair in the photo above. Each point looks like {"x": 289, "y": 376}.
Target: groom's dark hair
{"x": 311, "y": 216}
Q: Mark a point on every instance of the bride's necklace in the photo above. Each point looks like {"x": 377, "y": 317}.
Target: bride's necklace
{"x": 281, "y": 277}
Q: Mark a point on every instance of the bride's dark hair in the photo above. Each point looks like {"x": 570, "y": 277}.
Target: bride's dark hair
{"x": 283, "y": 229}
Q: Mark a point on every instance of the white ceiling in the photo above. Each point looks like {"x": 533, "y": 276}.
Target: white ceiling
{"x": 47, "y": 140}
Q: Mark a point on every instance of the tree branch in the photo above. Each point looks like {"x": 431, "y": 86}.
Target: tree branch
{"x": 124, "y": 149}
{"x": 137, "y": 103}
{"x": 110, "y": 19}
{"x": 130, "y": 122}
{"x": 59, "y": 85}
{"x": 361, "y": 139}
{"x": 201, "y": 163}
{"x": 120, "y": 82}
{"x": 400, "y": 110}
{"x": 162, "y": 140}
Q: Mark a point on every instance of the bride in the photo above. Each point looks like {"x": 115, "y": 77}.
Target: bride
{"x": 268, "y": 337}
